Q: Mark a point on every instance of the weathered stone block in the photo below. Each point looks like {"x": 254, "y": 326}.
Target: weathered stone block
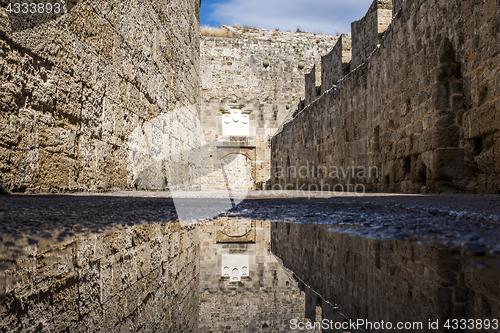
{"x": 446, "y": 163}
{"x": 444, "y": 137}
{"x": 144, "y": 259}
{"x": 441, "y": 96}
{"x": 497, "y": 84}
{"x": 89, "y": 288}
{"x": 39, "y": 314}
{"x": 444, "y": 118}
{"x": 486, "y": 160}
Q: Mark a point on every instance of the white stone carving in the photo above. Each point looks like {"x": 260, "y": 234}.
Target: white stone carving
{"x": 236, "y": 122}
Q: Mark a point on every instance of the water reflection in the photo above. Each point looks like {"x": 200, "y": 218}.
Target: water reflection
{"x": 125, "y": 264}
{"x": 243, "y": 287}
{"x": 388, "y": 280}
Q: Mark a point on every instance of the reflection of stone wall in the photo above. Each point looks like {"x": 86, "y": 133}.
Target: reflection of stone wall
{"x": 263, "y": 299}
{"x": 73, "y": 88}
{"x": 422, "y": 106}
{"x": 386, "y": 280}
{"x": 136, "y": 279}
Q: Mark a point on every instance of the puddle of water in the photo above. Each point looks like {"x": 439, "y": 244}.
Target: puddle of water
{"x": 390, "y": 280}
{"x": 221, "y": 275}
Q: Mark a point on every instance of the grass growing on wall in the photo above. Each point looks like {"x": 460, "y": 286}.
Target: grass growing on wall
{"x": 215, "y": 32}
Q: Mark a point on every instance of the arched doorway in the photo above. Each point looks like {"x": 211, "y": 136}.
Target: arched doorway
{"x": 238, "y": 172}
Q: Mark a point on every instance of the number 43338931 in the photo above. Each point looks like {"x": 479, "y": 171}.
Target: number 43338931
{"x": 33, "y": 8}
{"x": 477, "y": 324}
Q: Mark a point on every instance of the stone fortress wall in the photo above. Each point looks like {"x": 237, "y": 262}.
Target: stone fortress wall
{"x": 419, "y": 102}
{"x": 257, "y": 73}
{"x": 73, "y": 87}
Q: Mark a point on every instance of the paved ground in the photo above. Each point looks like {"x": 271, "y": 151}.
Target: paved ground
{"x": 468, "y": 221}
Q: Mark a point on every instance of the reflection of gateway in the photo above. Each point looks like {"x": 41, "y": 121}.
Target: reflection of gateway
{"x": 244, "y": 279}
{"x": 243, "y": 231}
{"x": 235, "y": 267}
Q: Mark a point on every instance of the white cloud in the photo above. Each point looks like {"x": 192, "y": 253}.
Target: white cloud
{"x": 322, "y": 16}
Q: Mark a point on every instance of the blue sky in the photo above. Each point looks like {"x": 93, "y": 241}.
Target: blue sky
{"x": 320, "y": 16}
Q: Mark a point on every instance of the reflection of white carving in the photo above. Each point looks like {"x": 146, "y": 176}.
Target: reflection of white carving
{"x": 245, "y": 119}
{"x": 238, "y": 265}
{"x": 235, "y": 275}
{"x": 227, "y": 118}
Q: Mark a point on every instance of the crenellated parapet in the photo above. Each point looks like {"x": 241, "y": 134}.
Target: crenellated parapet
{"x": 367, "y": 32}
{"x": 350, "y": 51}
{"x": 336, "y": 64}
{"x": 313, "y": 84}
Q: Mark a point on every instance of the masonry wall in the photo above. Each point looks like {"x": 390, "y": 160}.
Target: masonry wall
{"x": 75, "y": 86}
{"x": 261, "y": 64}
{"x": 422, "y": 109}
{"x": 261, "y": 72}
{"x": 360, "y": 278}
{"x": 142, "y": 278}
